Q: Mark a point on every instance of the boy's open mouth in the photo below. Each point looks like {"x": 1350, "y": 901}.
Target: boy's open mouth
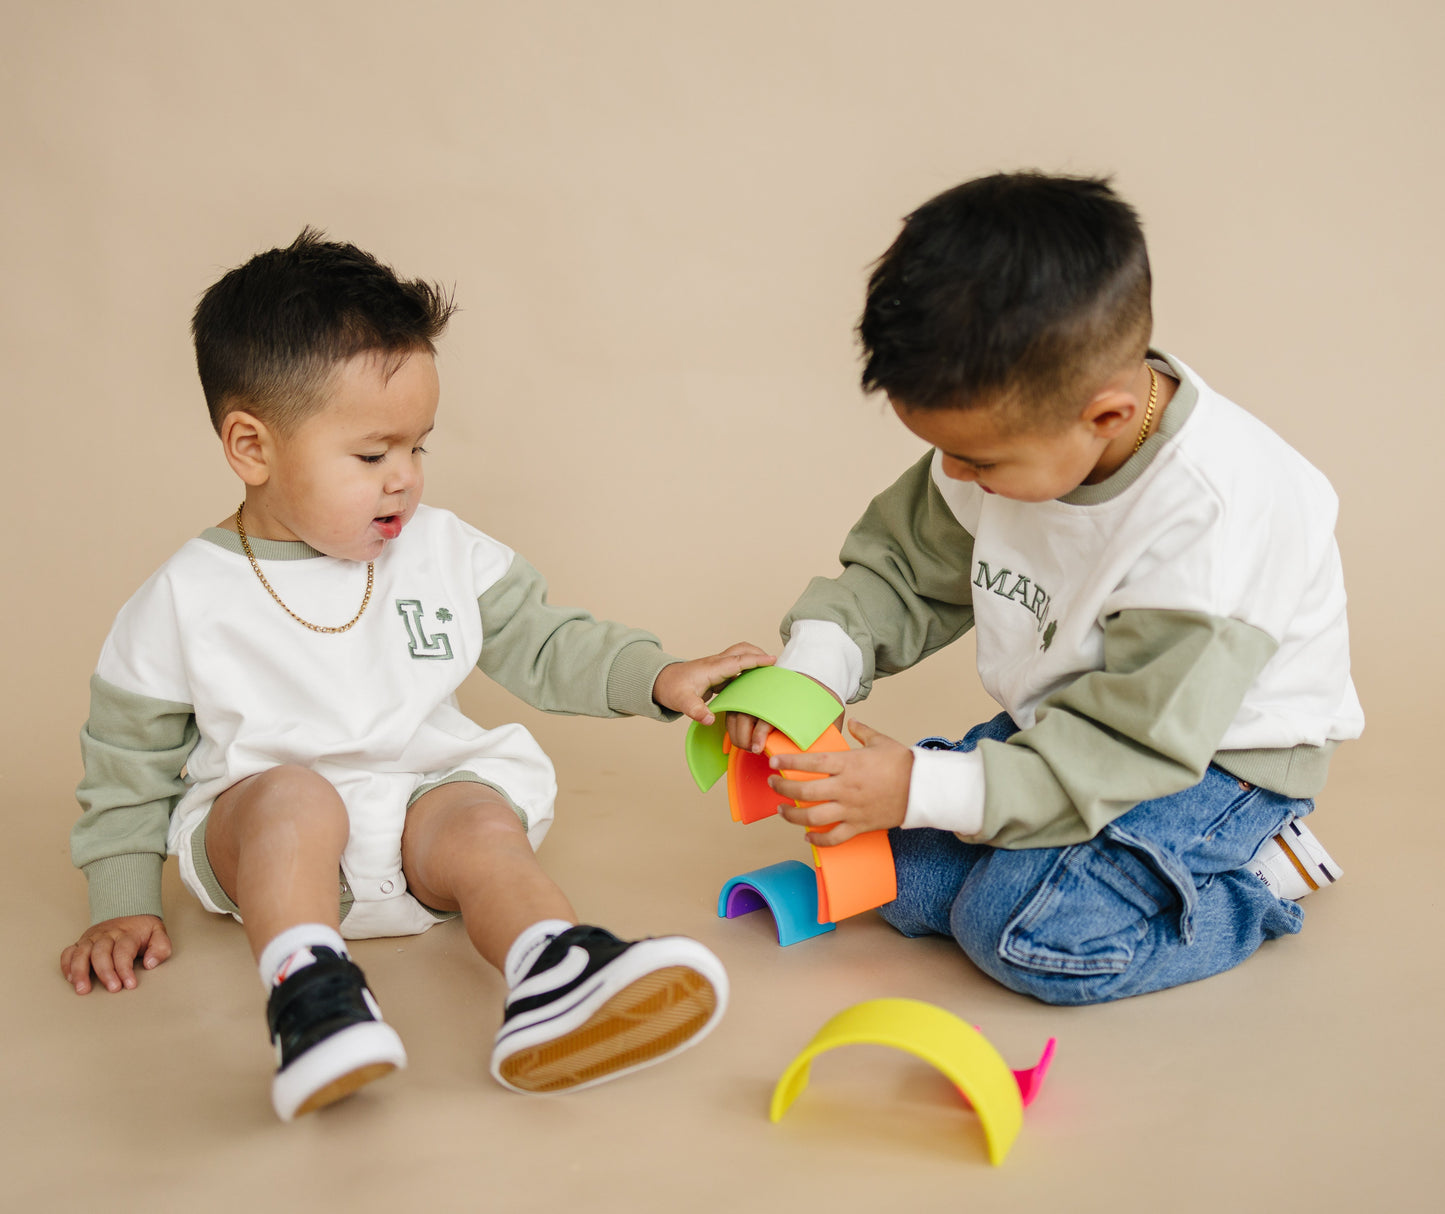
{"x": 389, "y": 525}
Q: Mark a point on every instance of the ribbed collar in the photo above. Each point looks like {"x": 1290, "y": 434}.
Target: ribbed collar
{"x": 265, "y": 550}
{"x": 1186, "y": 396}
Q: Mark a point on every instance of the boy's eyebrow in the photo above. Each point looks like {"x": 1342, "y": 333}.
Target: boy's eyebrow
{"x": 378, "y": 436}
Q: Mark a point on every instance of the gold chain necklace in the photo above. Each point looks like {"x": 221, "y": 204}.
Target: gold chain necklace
{"x": 251, "y": 556}
{"x": 1143, "y": 430}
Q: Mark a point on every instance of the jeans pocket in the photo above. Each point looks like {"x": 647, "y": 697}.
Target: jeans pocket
{"x": 1090, "y": 912}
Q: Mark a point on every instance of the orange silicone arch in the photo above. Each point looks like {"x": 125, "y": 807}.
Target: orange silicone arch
{"x": 749, "y": 797}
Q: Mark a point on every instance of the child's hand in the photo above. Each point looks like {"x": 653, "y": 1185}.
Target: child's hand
{"x": 110, "y": 948}
{"x": 748, "y": 733}
{"x": 686, "y": 686}
{"x": 863, "y": 790}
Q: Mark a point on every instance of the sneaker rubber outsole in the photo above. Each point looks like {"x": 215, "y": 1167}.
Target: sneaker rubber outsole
{"x": 658, "y": 1013}
{"x": 335, "y": 1068}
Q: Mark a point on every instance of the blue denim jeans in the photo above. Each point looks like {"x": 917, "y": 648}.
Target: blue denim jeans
{"x": 1158, "y": 898}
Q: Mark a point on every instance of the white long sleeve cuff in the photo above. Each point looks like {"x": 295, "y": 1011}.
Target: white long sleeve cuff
{"x": 945, "y": 791}
{"x": 821, "y": 650}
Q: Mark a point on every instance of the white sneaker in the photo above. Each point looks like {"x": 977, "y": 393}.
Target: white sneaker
{"x": 594, "y": 1007}
{"x": 1294, "y": 863}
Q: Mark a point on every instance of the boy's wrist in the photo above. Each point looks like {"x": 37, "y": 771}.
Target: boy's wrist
{"x": 946, "y": 791}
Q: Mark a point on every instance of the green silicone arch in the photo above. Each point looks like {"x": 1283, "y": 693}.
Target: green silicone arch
{"x": 786, "y": 700}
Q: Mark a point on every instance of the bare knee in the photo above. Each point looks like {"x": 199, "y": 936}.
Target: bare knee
{"x": 477, "y": 819}
{"x": 288, "y": 800}
{"x": 453, "y": 833}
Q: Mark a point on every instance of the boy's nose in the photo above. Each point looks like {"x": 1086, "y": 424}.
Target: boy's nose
{"x": 406, "y": 474}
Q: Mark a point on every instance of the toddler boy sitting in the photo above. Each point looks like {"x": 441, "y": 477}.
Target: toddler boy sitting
{"x": 275, "y": 707}
{"x": 1156, "y": 592}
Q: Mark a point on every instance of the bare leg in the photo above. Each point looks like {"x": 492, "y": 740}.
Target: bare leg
{"x": 630, "y": 1005}
{"x": 465, "y": 849}
{"x": 274, "y": 841}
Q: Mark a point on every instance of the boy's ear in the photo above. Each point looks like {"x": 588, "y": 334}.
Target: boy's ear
{"x": 249, "y": 445}
{"x": 1111, "y": 412}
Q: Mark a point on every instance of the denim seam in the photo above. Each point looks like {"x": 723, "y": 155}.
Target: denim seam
{"x": 1182, "y": 882}
{"x": 1229, "y": 811}
{"x": 1129, "y": 877}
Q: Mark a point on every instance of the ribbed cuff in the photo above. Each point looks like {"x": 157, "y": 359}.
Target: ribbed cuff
{"x": 125, "y": 885}
{"x": 821, "y": 650}
{"x": 629, "y": 682}
{"x": 945, "y": 791}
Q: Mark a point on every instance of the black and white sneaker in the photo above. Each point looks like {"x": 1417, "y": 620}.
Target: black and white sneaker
{"x": 328, "y": 1032}
{"x": 594, "y": 1007}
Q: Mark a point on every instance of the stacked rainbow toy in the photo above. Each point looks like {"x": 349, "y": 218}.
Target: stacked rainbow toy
{"x": 849, "y": 878}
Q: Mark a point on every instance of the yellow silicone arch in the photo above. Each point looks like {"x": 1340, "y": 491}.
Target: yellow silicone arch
{"x": 941, "y": 1039}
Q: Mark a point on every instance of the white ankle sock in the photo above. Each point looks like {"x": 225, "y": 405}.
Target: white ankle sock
{"x": 275, "y": 955}
{"x": 527, "y": 945}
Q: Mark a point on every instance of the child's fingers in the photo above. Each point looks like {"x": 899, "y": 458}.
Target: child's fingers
{"x": 159, "y": 948}
{"x": 824, "y": 820}
{"x": 819, "y": 816}
{"x": 740, "y": 729}
{"x": 732, "y": 662}
{"x": 697, "y": 709}
{"x": 840, "y": 833}
{"x": 123, "y": 958}
{"x": 749, "y": 654}
{"x": 75, "y": 967}
{"x": 865, "y": 733}
{"x": 747, "y": 732}
{"x": 822, "y": 789}
{"x": 103, "y": 965}
{"x": 803, "y": 790}
{"x": 830, "y": 762}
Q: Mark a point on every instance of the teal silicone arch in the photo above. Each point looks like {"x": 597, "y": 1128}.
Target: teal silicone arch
{"x": 786, "y": 700}
{"x": 789, "y": 889}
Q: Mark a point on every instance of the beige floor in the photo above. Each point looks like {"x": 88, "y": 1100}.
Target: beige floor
{"x": 658, "y": 219}
{"x": 1305, "y": 1080}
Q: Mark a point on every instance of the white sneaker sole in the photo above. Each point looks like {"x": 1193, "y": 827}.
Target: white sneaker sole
{"x": 335, "y": 1068}
{"x": 656, "y": 999}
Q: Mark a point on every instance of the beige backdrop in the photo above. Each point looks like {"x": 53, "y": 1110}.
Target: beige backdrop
{"x": 658, "y": 218}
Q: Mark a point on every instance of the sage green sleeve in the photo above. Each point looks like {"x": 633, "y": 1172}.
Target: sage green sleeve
{"x": 561, "y": 659}
{"x": 1147, "y": 725}
{"x": 904, "y": 592}
{"x": 134, "y": 749}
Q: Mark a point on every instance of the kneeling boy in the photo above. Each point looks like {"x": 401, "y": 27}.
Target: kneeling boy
{"x": 1156, "y": 592}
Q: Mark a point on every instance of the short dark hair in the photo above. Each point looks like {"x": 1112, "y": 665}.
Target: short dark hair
{"x": 270, "y": 332}
{"x": 1018, "y": 288}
